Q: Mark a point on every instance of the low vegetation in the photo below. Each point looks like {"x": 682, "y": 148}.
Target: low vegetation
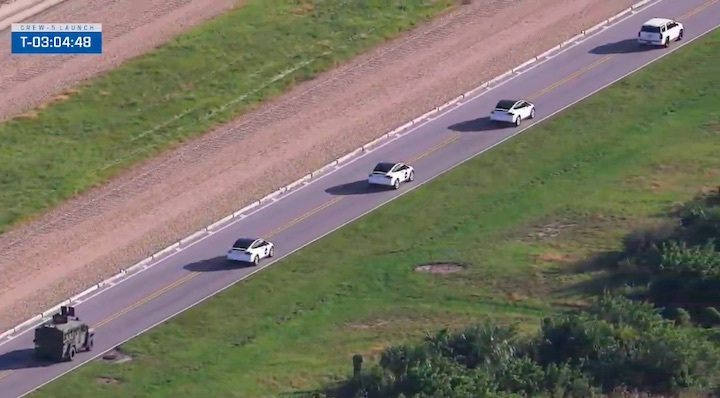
{"x": 209, "y": 75}
{"x": 538, "y": 225}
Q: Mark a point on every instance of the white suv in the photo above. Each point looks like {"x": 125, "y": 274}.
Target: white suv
{"x": 660, "y": 32}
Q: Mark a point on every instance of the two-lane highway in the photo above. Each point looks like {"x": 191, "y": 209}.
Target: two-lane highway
{"x": 188, "y": 276}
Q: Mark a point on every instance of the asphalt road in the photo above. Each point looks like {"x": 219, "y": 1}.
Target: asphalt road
{"x": 187, "y": 276}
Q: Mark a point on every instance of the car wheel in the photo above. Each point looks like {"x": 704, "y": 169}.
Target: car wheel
{"x": 71, "y": 354}
{"x": 532, "y": 113}
{"x": 396, "y": 184}
{"x": 518, "y": 121}
{"x": 667, "y": 42}
{"x": 680, "y": 36}
{"x": 411, "y": 177}
{"x": 90, "y": 344}
{"x": 272, "y": 252}
{"x": 256, "y": 260}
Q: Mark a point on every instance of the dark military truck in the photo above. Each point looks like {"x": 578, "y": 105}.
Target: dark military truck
{"x": 62, "y": 337}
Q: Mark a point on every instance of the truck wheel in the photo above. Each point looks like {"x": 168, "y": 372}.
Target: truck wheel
{"x": 90, "y": 344}
{"x": 71, "y": 354}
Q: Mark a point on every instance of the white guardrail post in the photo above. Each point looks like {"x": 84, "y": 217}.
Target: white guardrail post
{"x": 239, "y": 214}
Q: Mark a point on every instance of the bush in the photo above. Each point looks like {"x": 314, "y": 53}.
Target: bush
{"x": 620, "y": 311}
{"x": 686, "y": 276}
{"x": 641, "y": 241}
{"x": 678, "y": 315}
{"x": 486, "y": 345}
{"x": 700, "y": 218}
{"x": 689, "y": 261}
{"x": 709, "y": 317}
{"x": 528, "y": 378}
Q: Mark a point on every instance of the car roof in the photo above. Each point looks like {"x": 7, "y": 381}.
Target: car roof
{"x": 240, "y": 242}
{"x": 507, "y": 102}
{"x": 386, "y": 164}
{"x": 657, "y": 22}
{"x": 385, "y": 167}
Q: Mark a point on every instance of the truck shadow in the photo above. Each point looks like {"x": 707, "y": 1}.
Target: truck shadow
{"x": 20, "y": 359}
{"x": 627, "y": 46}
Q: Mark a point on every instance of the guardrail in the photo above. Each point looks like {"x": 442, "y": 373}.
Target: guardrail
{"x": 242, "y": 213}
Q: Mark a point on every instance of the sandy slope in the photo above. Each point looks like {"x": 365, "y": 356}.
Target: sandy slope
{"x": 148, "y": 208}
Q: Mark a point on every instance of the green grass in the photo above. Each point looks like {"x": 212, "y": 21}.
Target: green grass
{"x": 206, "y": 76}
{"x": 519, "y": 215}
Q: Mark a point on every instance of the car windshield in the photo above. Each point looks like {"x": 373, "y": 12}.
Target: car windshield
{"x": 650, "y": 29}
{"x": 505, "y": 104}
{"x": 383, "y": 167}
{"x": 243, "y": 244}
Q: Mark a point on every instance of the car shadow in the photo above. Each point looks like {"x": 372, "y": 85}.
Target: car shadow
{"x": 215, "y": 264}
{"x": 478, "y": 125}
{"x": 627, "y": 46}
{"x": 360, "y": 187}
{"x": 21, "y": 359}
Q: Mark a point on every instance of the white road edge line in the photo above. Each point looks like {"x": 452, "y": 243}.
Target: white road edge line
{"x": 410, "y": 189}
{"x": 326, "y": 170}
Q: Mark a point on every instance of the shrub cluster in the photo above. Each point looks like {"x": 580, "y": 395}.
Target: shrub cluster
{"x": 614, "y": 345}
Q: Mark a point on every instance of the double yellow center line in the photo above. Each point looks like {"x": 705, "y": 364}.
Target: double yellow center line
{"x": 698, "y": 9}
{"x": 570, "y": 77}
{"x": 454, "y": 137}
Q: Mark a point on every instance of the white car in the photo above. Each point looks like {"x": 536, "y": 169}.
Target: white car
{"x": 512, "y": 111}
{"x": 660, "y": 32}
{"x": 391, "y": 174}
{"x": 250, "y": 250}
